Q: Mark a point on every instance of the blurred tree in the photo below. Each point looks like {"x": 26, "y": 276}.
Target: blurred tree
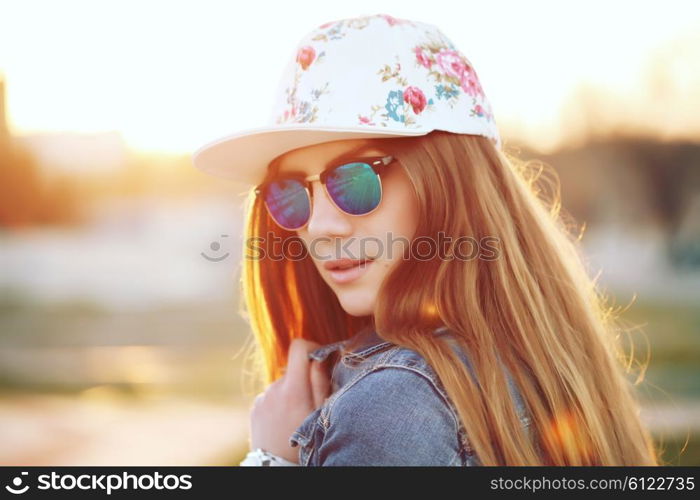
{"x": 634, "y": 182}
{"x": 20, "y": 187}
{"x": 28, "y": 197}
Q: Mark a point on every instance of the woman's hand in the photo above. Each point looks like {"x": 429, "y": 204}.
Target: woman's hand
{"x": 282, "y": 407}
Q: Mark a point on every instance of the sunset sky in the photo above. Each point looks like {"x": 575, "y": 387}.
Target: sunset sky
{"x": 171, "y": 76}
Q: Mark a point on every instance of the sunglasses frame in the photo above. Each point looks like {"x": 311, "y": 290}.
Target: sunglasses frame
{"x": 378, "y": 163}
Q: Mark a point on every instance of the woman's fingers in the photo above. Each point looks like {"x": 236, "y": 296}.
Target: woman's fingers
{"x": 306, "y": 378}
{"x": 320, "y": 383}
{"x": 297, "y": 376}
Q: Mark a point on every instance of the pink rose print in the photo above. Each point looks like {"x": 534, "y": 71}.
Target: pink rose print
{"x": 365, "y": 120}
{"x": 415, "y": 97}
{"x": 470, "y": 83}
{"x": 453, "y": 64}
{"x": 423, "y": 57}
{"x": 285, "y": 115}
{"x": 306, "y": 56}
{"x": 471, "y": 87}
{"x": 391, "y": 20}
{"x": 479, "y": 110}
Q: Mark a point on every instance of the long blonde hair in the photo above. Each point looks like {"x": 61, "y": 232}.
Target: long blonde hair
{"x": 533, "y": 308}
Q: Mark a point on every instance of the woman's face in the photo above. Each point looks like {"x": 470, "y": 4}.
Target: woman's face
{"x": 331, "y": 234}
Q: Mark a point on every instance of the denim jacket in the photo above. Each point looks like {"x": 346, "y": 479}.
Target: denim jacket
{"x": 387, "y": 407}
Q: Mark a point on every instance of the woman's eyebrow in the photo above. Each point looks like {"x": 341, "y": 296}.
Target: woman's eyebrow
{"x": 348, "y": 155}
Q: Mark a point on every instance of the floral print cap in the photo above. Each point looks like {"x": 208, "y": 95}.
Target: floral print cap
{"x": 370, "y": 76}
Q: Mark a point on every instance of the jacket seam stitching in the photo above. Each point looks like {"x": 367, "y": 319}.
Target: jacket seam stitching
{"x": 324, "y": 416}
{"x": 367, "y": 351}
{"x": 300, "y": 434}
{"x": 325, "y": 419}
{"x": 444, "y": 398}
{"x": 463, "y": 437}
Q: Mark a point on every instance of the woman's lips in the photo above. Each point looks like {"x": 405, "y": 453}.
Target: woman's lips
{"x": 346, "y": 270}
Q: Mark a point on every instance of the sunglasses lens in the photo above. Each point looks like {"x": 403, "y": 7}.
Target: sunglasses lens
{"x": 288, "y": 203}
{"x": 355, "y": 188}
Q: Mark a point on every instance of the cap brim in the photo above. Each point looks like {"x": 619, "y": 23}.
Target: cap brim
{"x": 244, "y": 156}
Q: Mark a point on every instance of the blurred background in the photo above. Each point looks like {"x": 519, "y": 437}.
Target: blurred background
{"x": 120, "y": 338}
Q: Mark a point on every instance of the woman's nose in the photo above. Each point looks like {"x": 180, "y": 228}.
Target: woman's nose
{"x": 326, "y": 219}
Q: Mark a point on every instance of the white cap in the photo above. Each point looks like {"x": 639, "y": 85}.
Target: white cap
{"x": 365, "y": 77}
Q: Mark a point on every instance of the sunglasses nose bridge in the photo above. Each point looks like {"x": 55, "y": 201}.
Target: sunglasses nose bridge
{"x": 324, "y": 216}
{"x": 311, "y": 178}
{"x": 309, "y": 183}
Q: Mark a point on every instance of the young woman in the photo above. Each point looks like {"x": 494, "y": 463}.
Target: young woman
{"x": 415, "y": 301}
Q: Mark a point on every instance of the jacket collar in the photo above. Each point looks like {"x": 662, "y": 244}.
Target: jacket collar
{"x": 368, "y": 341}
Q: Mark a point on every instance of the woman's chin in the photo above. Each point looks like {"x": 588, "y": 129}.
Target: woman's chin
{"x": 356, "y": 305}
